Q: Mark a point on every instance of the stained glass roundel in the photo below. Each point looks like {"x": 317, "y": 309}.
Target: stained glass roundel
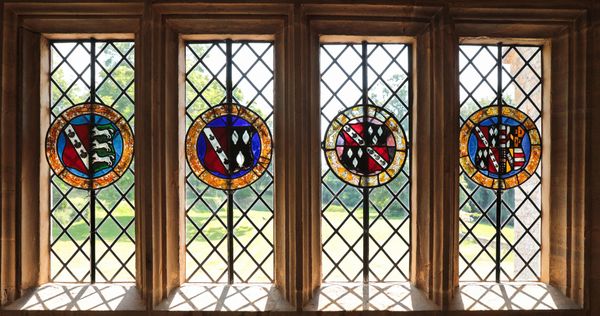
{"x": 365, "y": 146}
{"x": 89, "y": 145}
{"x": 499, "y": 150}
{"x": 228, "y": 147}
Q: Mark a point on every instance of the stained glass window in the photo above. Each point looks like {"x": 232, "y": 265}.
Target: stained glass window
{"x": 229, "y": 177}
{"x": 500, "y": 149}
{"x": 365, "y": 128}
{"x": 89, "y": 147}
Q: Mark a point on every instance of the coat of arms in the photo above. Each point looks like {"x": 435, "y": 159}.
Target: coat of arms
{"x": 89, "y": 145}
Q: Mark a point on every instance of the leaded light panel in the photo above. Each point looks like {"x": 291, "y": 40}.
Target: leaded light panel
{"x": 500, "y": 156}
{"x": 229, "y": 170}
{"x": 365, "y": 166}
{"x": 89, "y": 147}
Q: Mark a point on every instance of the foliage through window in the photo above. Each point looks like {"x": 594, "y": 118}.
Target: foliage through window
{"x": 229, "y": 175}
{"x": 500, "y": 178}
{"x": 90, "y": 149}
{"x": 365, "y": 128}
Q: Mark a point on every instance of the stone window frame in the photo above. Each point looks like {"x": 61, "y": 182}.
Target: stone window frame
{"x": 437, "y": 29}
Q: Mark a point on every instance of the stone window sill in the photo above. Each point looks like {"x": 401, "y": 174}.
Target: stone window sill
{"x": 482, "y": 296}
{"x": 370, "y": 297}
{"x": 80, "y": 297}
{"x": 472, "y": 296}
{"x": 225, "y": 298}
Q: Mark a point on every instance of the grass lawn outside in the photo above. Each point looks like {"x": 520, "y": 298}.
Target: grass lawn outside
{"x": 469, "y": 248}
{"x": 383, "y": 256}
{"x": 65, "y": 245}
{"x": 215, "y": 234}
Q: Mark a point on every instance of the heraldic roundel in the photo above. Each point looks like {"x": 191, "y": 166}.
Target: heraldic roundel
{"x": 228, "y": 147}
{"x": 89, "y": 146}
{"x": 365, "y": 146}
{"x": 499, "y": 150}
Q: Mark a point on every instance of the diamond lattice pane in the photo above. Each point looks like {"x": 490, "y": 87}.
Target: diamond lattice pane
{"x": 343, "y": 214}
{"x": 70, "y": 232}
{"x": 71, "y": 83}
{"x": 252, "y": 231}
{"x": 518, "y": 258}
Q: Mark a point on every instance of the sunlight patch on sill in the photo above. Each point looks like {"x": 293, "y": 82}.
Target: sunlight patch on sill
{"x": 481, "y": 296}
{"x": 223, "y": 297}
{"x": 80, "y": 297}
{"x": 370, "y": 297}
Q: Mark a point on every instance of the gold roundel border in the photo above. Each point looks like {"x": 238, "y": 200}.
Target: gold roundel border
{"x": 59, "y": 124}
{"x": 332, "y": 133}
{"x": 211, "y": 114}
{"x": 516, "y": 179}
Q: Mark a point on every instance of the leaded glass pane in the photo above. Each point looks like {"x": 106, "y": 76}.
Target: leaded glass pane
{"x": 100, "y": 72}
{"x": 515, "y": 224}
{"x": 249, "y": 226}
{"x": 353, "y": 75}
